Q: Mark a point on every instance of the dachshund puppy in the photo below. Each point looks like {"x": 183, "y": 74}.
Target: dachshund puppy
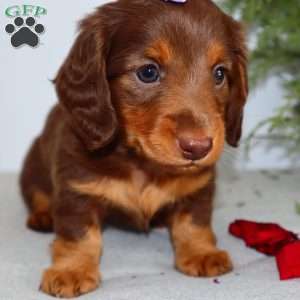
{"x": 148, "y": 95}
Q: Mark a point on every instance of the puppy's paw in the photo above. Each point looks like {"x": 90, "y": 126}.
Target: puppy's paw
{"x": 69, "y": 283}
{"x": 206, "y": 264}
{"x": 40, "y": 221}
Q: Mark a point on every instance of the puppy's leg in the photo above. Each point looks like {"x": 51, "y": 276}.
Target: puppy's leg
{"x": 76, "y": 251}
{"x": 36, "y": 188}
{"x": 194, "y": 242}
{"x": 40, "y": 218}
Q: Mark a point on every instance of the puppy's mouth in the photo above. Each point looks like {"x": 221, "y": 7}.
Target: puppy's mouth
{"x": 181, "y": 155}
{"x": 178, "y": 159}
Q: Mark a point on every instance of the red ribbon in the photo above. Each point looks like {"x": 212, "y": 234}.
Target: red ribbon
{"x": 271, "y": 239}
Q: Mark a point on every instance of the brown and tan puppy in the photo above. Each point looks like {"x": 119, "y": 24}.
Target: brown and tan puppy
{"x": 148, "y": 95}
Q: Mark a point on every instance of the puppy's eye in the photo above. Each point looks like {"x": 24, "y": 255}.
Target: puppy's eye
{"x": 148, "y": 73}
{"x": 219, "y": 75}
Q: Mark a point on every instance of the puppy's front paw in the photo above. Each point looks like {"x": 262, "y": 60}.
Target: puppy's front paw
{"x": 206, "y": 264}
{"x": 69, "y": 283}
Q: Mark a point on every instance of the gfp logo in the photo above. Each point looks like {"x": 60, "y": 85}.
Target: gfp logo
{"x": 24, "y": 29}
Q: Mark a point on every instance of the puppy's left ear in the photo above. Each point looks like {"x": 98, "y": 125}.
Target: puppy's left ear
{"x": 239, "y": 88}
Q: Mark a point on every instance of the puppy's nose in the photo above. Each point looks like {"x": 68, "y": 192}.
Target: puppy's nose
{"x": 195, "y": 149}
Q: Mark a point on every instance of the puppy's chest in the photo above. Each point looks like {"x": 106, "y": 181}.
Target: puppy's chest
{"x": 139, "y": 195}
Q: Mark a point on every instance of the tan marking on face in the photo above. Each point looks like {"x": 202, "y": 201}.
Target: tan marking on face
{"x": 195, "y": 248}
{"x": 150, "y": 133}
{"x": 75, "y": 266}
{"x": 160, "y": 51}
{"x": 218, "y": 134}
{"x": 216, "y": 53}
{"x": 142, "y": 198}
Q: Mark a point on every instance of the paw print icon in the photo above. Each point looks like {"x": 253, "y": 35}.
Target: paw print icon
{"x": 24, "y": 32}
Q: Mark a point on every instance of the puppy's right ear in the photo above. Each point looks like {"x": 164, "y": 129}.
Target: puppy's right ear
{"x": 239, "y": 93}
{"x": 83, "y": 89}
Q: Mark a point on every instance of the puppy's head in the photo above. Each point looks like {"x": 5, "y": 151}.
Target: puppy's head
{"x": 171, "y": 78}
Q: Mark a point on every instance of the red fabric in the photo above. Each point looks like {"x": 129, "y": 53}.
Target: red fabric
{"x": 288, "y": 261}
{"x": 271, "y": 239}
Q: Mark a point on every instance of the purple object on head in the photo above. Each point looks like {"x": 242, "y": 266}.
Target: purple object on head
{"x": 176, "y": 1}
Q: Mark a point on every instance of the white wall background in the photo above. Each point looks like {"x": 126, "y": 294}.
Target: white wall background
{"x": 26, "y": 93}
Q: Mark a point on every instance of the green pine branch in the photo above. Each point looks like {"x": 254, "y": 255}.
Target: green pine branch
{"x": 276, "y": 27}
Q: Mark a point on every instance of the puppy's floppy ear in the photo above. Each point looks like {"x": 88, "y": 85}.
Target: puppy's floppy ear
{"x": 239, "y": 89}
{"x": 83, "y": 89}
